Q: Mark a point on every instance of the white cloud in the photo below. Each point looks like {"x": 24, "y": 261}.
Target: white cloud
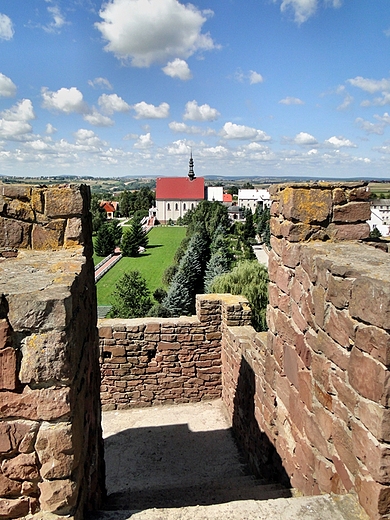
{"x": 255, "y": 77}
{"x": 150, "y": 31}
{"x": 291, "y": 101}
{"x": 370, "y": 128}
{"x": 110, "y": 103}
{"x": 178, "y": 69}
{"x": 66, "y": 100}
{"x": 7, "y": 86}
{"x": 180, "y": 147}
{"x": 370, "y": 85}
{"x": 14, "y": 130}
{"x": 194, "y": 112}
{"x": 58, "y": 19}
{"x": 6, "y": 27}
{"x": 22, "y": 111}
{"x": 304, "y": 9}
{"x": 378, "y": 101}
{"x": 88, "y": 139}
{"x": 233, "y": 131}
{"x": 101, "y": 83}
{"x": 348, "y": 99}
{"x": 340, "y": 142}
{"x": 186, "y": 129}
{"x": 385, "y": 119}
{"x": 50, "y": 130}
{"x": 144, "y": 141}
{"x": 303, "y": 138}
{"x": 95, "y": 118}
{"x": 145, "y": 111}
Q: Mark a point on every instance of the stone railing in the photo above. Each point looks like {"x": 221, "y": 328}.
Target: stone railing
{"x": 150, "y": 361}
{"x": 51, "y": 456}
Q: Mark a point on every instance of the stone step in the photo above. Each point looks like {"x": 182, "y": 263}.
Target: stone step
{"x": 324, "y": 507}
{"x": 244, "y": 487}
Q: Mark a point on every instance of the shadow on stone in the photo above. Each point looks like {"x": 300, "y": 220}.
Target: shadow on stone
{"x": 256, "y": 448}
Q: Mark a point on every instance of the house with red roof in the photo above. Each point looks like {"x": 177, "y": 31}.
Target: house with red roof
{"x": 109, "y": 207}
{"x": 176, "y": 195}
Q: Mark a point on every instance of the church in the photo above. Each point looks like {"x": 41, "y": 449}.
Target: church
{"x": 176, "y": 195}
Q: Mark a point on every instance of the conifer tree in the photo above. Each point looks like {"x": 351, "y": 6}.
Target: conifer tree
{"x": 131, "y": 297}
{"x": 105, "y": 241}
{"x": 133, "y": 239}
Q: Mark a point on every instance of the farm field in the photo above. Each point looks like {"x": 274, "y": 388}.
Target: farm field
{"x": 163, "y": 242}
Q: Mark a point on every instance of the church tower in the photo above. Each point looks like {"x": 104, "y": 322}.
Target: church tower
{"x": 191, "y": 173}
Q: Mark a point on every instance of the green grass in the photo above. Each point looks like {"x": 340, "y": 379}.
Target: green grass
{"x": 163, "y": 242}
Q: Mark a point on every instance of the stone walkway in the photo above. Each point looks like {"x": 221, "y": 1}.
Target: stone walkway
{"x": 180, "y": 462}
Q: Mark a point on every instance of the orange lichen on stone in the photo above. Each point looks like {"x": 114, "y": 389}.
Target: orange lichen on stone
{"x": 306, "y": 205}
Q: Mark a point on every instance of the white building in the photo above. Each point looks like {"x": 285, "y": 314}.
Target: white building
{"x": 214, "y": 193}
{"x": 253, "y": 198}
{"x": 380, "y": 216}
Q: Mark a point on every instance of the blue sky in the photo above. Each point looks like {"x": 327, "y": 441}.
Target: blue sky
{"x": 260, "y": 87}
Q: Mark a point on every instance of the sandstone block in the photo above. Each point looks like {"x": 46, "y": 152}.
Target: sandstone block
{"x": 297, "y": 231}
{"x": 48, "y": 236}
{"x": 58, "y": 496}
{"x": 340, "y": 327}
{"x": 339, "y": 291}
{"x": 374, "y": 497}
{"x": 8, "y": 375}
{"x": 342, "y": 441}
{"x": 64, "y": 202}
{"x": 370, "y": 301}
{"x": 5, "y": 334}
{"x": 369, "y": 378}
{"x": 374, "y": 341}
{"x": 352, "y": 212}
{"x": 22, "y": 467}
{"x": 37, "y": 200}
{"x": 14, "y": 233}
{"x": 19, "y": 210}
{"x": 376, "y": 419}
{"x": 8, "y": 487}
{"x": 16, "y": 508}
{"x": 306, "y": 205}
{"x": 74, "y": 232}
{"x": 348, "y": 231}
{"x": 45, "y": 358}
{"x": 13, "y": 191}
{"x": 54, "y": 446}
{"x": 339, "y": 196}
{"x": 162, "y": 345}
{"x": 17, "y": 436}
{"x": 45, "y": 404}
{"x": 359, "y": 193}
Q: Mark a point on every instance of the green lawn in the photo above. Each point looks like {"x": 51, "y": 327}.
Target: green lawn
{"x": 163, "y": 242}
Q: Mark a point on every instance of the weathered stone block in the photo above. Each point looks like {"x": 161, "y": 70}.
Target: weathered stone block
{"x": 306, "y": 205}
{"x": 58, "y": 496}
{"x": 370, "y": 301}
{"x": 48, "y": 236}
{"x": 22, "y": 467}
{"x": 369, "y": 377}
{"x": 8, "y": 487}
{"x": 339, "y": 291}
{"x": 374, "y": 341}
{"x": 8, "y": 363}
{"x": 64, "y": 202}
{"x": 55, "y": 448}
{"x": 374, "y": 497}
{"x": 73, "y": 232}
{"x": 340, "y": 327}
{"x": 16, "y": 508}
{"x": 348, "y": 231}
{"x": 14, "y": 233}
{"x": 45, "y": 404}
{"x": 352, "y": 212}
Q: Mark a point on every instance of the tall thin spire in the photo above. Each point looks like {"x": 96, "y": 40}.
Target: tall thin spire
{"x": 191, "y": 173}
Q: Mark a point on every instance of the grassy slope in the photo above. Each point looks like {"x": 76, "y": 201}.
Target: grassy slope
{"x": 163, "y": 242}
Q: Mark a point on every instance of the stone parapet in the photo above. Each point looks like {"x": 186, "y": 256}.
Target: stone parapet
{"x": 151, "y": 361}
{"x": 51, "y": 451}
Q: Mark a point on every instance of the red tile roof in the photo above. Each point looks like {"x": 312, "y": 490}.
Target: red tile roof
{"x": 227, "y": 197}
{"x": 179, "y": 188}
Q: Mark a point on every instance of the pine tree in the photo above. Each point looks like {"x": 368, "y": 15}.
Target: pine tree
{"x": 131, "y": 297}
{"x": 105, "y": 241}
{"x": 133, "y": 239}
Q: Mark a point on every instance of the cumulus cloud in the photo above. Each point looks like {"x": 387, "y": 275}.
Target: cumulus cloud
{"x": 6, "y": 27}
{"x": 66, "y": 100}
{"x": 233, "y": 131}
{"x": 150, "y": 31}
{"x": 180, "y": 147}
{"x": 50, "y": 130}
{"x": 340, "y": 142}
{"x": 144, "y": 142}
{"x": 110, "y": 103}
{"x": 22, "y": 111}
{"x": 7, "y": 86}
{"x": 348, "y": 100}
{"x": 304, "y": 9}
{"x": 95, "y": 118}
{"x": 101, "y": 83}
{"x": 14, "y": 130}
{"x": 145, "y": 111}
{"x": 291, "y": 101}
{"x": 194, "y": 112}
{"x": 58, "y": 19}
{"x": 87, "y": 139}
{"x": 370, "y": 128}
{"x": 303, "y": 138}
{"x": 178, "y": 69}
{"x": 186, "y": 129}
{"x": 255, "y": 77}
{"x": 370, "y": 85}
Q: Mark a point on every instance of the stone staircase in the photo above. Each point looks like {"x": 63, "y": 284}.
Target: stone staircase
{"x": 181, "y": 463}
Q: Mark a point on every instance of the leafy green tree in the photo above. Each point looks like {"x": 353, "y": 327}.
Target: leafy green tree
{"x": 233, "y": 190}
{"x": 248, "y": 186}
{"x": 131, "y": 297}
{"x": 169, "y": 274}
{"x": 105, "y": 240}
{"x": 98, "y": 213}
{"x": 375, "y": 233}
{"x": 133, "y": 239}
{"x": 250, "y": 279}
{"x": 159, "y": 294}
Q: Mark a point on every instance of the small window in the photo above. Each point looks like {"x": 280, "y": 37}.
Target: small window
{"x": 177, "y": 206}
{"x": 192, "y": 206}
{"x": 184, "y": 206}
{"x": 168, "y": 206}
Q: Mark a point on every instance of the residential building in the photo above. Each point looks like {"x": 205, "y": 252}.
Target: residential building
{"x": 380, "y": 216}
{"x": 253, "y": 198}
{"x": 110, "y": 207}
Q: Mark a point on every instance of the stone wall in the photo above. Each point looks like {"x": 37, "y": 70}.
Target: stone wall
{"x": 51, "y": 456}
{"x": 314, "y": 397}
{"x": 151, "y": 361}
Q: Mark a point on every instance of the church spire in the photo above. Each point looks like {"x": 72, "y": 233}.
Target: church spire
{"x": 191, "y": 173}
